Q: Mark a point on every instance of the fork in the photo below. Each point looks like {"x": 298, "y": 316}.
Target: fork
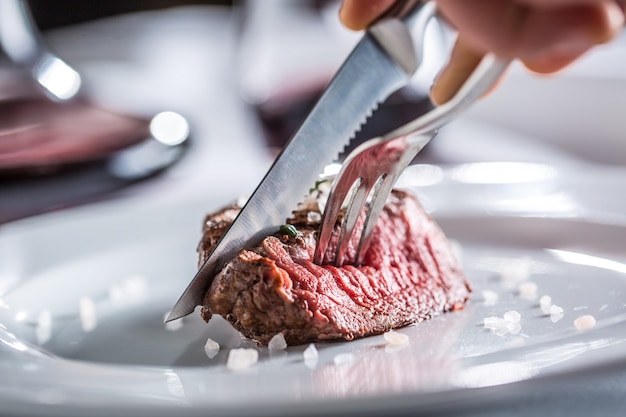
{"x": 370, "y": 170}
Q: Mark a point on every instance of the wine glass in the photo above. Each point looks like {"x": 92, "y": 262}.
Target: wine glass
{"x": 57, "y": 148}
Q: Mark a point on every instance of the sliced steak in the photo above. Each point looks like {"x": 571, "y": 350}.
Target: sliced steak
{"x": 409, "y": 274}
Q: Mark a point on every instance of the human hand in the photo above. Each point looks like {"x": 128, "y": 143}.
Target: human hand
{"x": 546, "y": 35}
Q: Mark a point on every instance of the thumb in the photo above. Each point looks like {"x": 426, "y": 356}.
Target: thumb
{"x": 359, "y": 14}
{"x": 463, "y": 61}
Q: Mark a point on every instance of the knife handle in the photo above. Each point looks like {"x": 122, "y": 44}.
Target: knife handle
{"x": 400, "y": 32}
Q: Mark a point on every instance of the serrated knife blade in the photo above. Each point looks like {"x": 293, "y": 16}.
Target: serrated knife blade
{"x": 381, "y": 63}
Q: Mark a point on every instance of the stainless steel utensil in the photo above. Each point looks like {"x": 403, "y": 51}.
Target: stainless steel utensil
{"x": 371, "y": 170}
{"x": 381, "y": 63}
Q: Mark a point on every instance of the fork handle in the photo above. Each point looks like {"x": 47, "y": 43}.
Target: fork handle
{"x": 486, "y": 74}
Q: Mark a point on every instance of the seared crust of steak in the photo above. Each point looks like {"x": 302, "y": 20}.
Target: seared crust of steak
{"x": 409, "y": 274}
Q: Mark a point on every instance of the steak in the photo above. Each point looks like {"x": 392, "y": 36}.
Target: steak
{"x": 409, "y": 274}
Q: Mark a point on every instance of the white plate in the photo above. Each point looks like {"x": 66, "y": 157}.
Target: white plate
{"x": 126, "y": 264}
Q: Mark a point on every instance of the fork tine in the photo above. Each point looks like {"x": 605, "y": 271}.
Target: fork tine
{"x": 351, "y": 217}
{"x": 383, "y": 189}
{"x": 377, "y": 202}
{"x": 342, "y": 187}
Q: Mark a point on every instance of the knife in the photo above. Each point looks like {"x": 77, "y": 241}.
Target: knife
{"x": 382, "y": 62}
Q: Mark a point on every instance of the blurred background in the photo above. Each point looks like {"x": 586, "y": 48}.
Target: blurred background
{"x": 54, "y": 14}
{"x": 131, "y": 61}
{"x": 236, "y": 78}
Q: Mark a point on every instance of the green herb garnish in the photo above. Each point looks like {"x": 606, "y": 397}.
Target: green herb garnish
{"x": 289, "y": 229}
{"x": 317, "y": 185}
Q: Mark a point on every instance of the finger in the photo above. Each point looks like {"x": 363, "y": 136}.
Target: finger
{"x": 359, "y": 14}
{"x": 551, "y": 62}
{"x": 463, "y": 61}
{"x": 560, "y": 56}
{"x": 512, "y": 29}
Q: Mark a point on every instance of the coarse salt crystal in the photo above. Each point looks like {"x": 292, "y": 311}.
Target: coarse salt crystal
{"x": 493, "y": 322}
{"x": 514, "y": 327}
{"x": 277, "y": 342}
{"x": 211, "y": 348}
{"x": 508, "y": 323}
{"x": 87, "y": 312}
{"x": 585, "y": 322}
{"x": 527, "y": 290}
{"x": 313, "y": 217}
{"x": 512, "y": 316}
{"x": 311, "y": 356}
{"x": 501, "y": 331}
{"x": 239, "y": 359}
{"x": 396, "y": 338}
{"x": 556, "y": 313}
{"x": 490, "y": 297}
{"x": 545, "y": 302}
{"x": 554, "y": 310}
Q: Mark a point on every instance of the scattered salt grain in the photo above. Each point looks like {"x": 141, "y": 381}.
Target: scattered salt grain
{"x": 508, "y": 323}
{"x": 512, "y": 316}
{"x": 43, "y": 331}
{"x": 211, "y": 348}
{"x": 556, "y": 313}
{"x": 490, "y": 297}
{"x": 555, "y": 309}
{"x": 545, "y": 302}
{"x": 514, "y": 327}
{"x": 240, "y": 359}
{"x": 585, "y": 322}
{"x": 313, "y": 217}
{"x": 396, "y": 339}
{"x": 527, "y": 290}
{"x": 343, "y": 359}
{"x": 494, "y": 322}
{"x": 604, "y": 307}
{"x": 311, "y": 356}
{"x": 88, "y": 317}
{"x": 277, "y": 342}
{"x": 173, "y": 325}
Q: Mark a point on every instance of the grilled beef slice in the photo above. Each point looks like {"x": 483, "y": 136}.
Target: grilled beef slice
{"x": 409, "y": 274}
